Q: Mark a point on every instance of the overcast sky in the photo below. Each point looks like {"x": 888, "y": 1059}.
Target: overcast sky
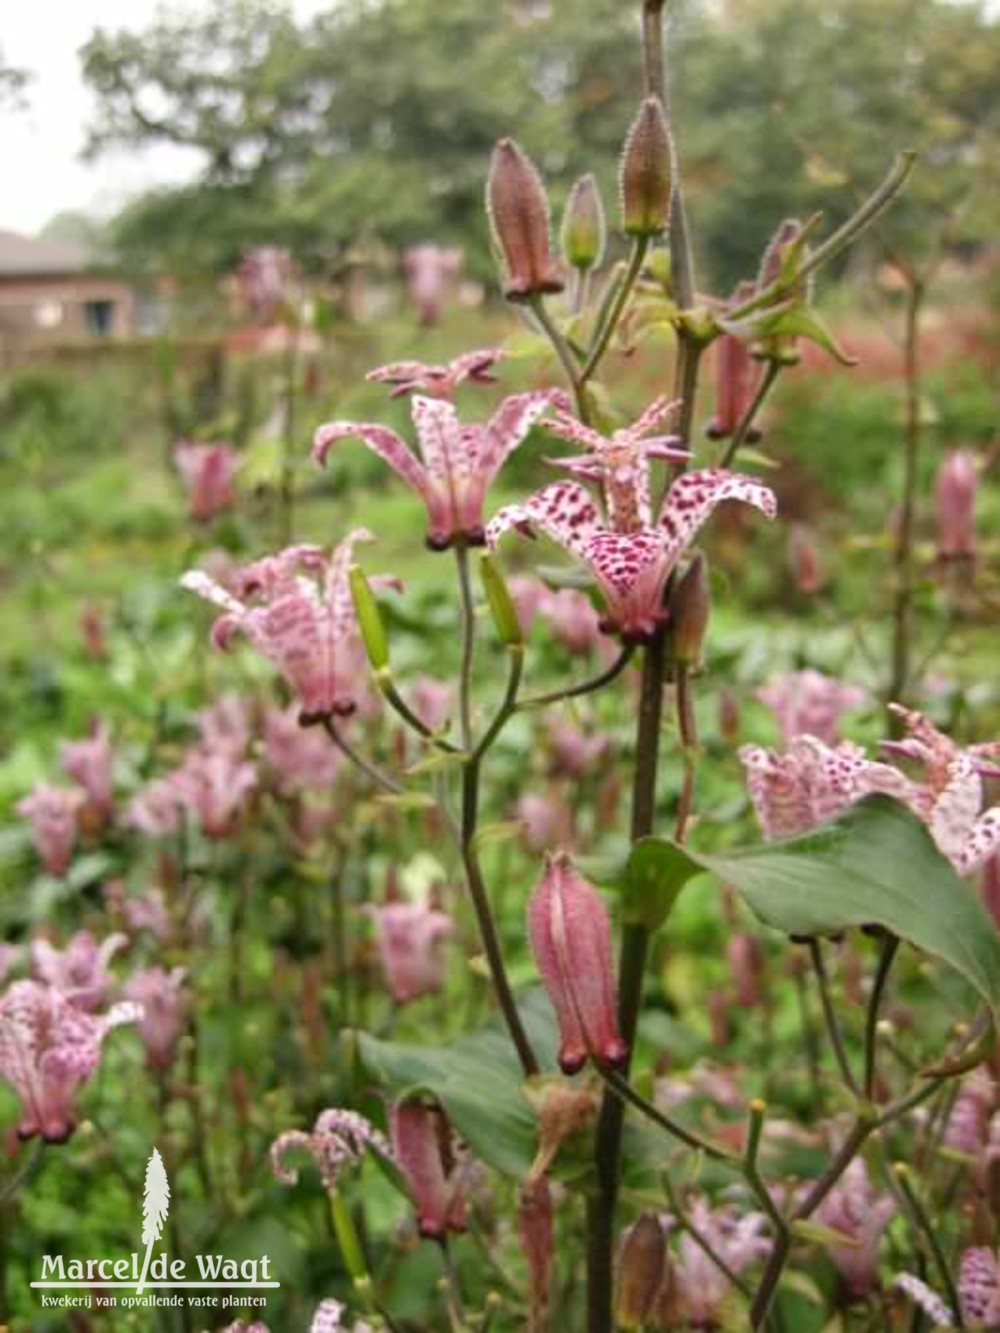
{"x": 40, "y": 147}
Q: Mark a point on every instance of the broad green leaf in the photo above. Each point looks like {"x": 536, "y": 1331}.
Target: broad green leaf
{"x": 875, "y": 865}
{"x": 654, "y": 875}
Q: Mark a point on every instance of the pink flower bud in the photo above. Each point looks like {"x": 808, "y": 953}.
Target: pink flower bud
{"x": 535, "y": 1234}
{"x": 422, "y": 1141}
{"x": 571, "y": 939}
{"x": 735, "y": 377}
{"x": 955, "y": 499}
{"x": 53, "y": 813}
{"x": 746, "y": 962}
{"x": 646, "y": 173}
{"x": 641, "y": 1269}
{"x": 518, "y": 209}
{"x": 690, "y": 607}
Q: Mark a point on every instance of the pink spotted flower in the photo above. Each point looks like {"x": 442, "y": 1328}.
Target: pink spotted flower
{"x": 412, "y": 941}
{"x": 807, "y": 702}
{"x": 338, "y": 1141}
{"x": 406, "y": 377}
{"x": 629, "y": 552}
{"x": 48, "y": 1049}
{"x": 570, "y": 938}
{"x": 53, "y": 813}
{"x": 80, "y": 971}
{"x": 296, "y": 610}
{"x": 699, "y": 1290}
{"x": 457, "y": 461}
{"x": 208, "y": 472}
{"x": 978, "y": 1292}
{"x": 861, "y": 1216}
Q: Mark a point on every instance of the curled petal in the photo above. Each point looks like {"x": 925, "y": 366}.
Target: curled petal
{"x": 564, "y": 511}
{"x": 381, "y": 440}
{"x": 692, "y": 498}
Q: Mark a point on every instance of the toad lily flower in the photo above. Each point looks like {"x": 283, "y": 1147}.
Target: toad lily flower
{"x": 53, "y": 813}
{"x": 412, "y": 940}
{"x": 338, "y": 1141}
{"x": 160, "y": 995}
{"x": 571, "y": 939}
{"x": 854, "y": 1209}
{"x": 807, "y": 702}
{"x": 296, "y": 610}
{"x": 436, "y": 1172}
{"x": 90, "y": 763}
{"x": 80, "y": 971}
{"x": 438, "y": 381}
{"x": 631, "y": 565}
{"x": 48, "y": 1050}
{"x": 207, "y": 472}
{"x": 459, "y": 462}
{"x": 978, "y": 1292}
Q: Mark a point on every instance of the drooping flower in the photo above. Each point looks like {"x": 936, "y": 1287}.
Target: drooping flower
{"x": 807, "y": 702}
{"x": 208, "y": 472}
{"x": 296, "y": 609}
{"x": 160, "y": 994}
{"x": 697, "y": 1290}
{"x": 339, "y": 1139}
{"x": 53, "y": 813}
{"x": 631, "y": 565}
{"x": 809, "y": 783}
{"x": 412, "y": 939}
{"x": 458, "y": 461}
{"x": 439, "y": 381}
{"x": 48, "y": 1049}
{"x": 642, "y": 1258}
{"x": 80, "y": 971}
{"x": 854, "y": 1209}
{"x": 570, "y": 938}
{"x": 89, "y": 763}
{"x": 426, "y": 1153}
{"x": 955, "y": 500}
{"x": 300, "y": 758}
{"x": 212, "y": 787}
{"x": 949, "y": 799}
{"x": 329, "y": 1318}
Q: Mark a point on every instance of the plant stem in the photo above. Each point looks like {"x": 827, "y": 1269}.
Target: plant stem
{"x": 634, "y": 949}
{"x": 702, "y": 1241}
{"x": 605, "y": 331}
{"x": 508, "y": 706}
{"x": 832, "y": 1026}
{"x": 380, "y": 778}
{"x": 902, "y": 611}
{"x": 889, "y": 949}
{"x": 399, "y": 705}
{"x": 688, "y": 728}
{"x": 652, "y": 49}
{"x": 764, "y": 387}
{"x": 562, "y": 350}
{"x": 585, "y": 687}
{"x": 624, "y": 1090}
{"x": 925, "y": 1226}
{"x": 468, "y": 646}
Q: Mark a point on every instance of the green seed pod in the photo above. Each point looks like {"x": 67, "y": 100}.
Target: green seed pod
{"x": 501, "y": 604}
{"x": 370, "y": 621}
{"x": 518, "y": 209}
{"x": 583, "y": 227}
{"x": 646, "y": 173}
{"x": 690, "y": 606}
{"x": 641, "y": 1266}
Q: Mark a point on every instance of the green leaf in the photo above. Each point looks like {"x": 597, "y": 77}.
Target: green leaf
{"x": 478, "y": 1081}
{"x": 875, "y": 865}
{"x": 654, "y": 875}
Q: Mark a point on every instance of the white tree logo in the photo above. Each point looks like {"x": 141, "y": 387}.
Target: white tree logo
{"x": 155, "y": 1206}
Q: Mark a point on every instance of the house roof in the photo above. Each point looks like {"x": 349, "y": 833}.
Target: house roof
{"x": 23, "y": 256}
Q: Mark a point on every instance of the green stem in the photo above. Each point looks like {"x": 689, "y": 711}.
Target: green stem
{"x": 889, "y": 949}
{"x": 509, "y": 705}
{"x": 624, "y": 1090}
{"x": 380, "y": 778}
{"x": 585, "y": 687}
{"x": 738, "y": 437}
{"x": 702, "y": 1241}
{"x": 399, "y": 705}
{"x": 925, "y": 1226}
{"x": 468, "y": 646}
{"x": 606, "y": 329}
{"x": 562, "y": 350}
{"x": 830, "y": 1017}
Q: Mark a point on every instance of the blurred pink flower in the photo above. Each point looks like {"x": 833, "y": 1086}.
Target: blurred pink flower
{"x": 699, "y": 1289}
{"x": 804, "y": 559}
{"x": 433, "y": 701}
{"x": 225, "y": 726}
{"x": 53, "y": 812}
{"x": 570, "y": 937}
{"x": 854, "y": 1209}
{"x": 459, "y": 462}
{"x": 423, "y": 1142}
{"x": 978, "y": 1291}
{"x": 155, "y": 809}
{"x": 338, "y": 1141}
{"x": 439, "y": 381}
{"x": 265, "y": 273}
{"x": 546, "y": 821}
{"x": 296, "y": 610}
{"x": 213, "y": 786}
{"x": 80, "y": 971}
{"x": 955, "y": 498}
{"x": 745, "y": 955}
{"x": 329, "y": 1317}
{"x": 630, "y": 563}
{"x": 139, "y": 911}
{"x": 736, "y": 376}
{"x": 160, "y": 995}
{"x": 572, "y": 619}
{"x": 412, "y": 942}
{"x": 89, "y": 763}
{"x": 48, "y": 1049}
{"x": 536, "y": 1238}
{"x": 575, "y": 752}
{"x": 809, "y": 703}
{"x": 429, "y": 268}
{"x": 208, "y": 472}
{"x": 300, "y": 758}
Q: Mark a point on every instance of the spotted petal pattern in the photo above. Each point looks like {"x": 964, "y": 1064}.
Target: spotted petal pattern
{"x": 438, "y": 381}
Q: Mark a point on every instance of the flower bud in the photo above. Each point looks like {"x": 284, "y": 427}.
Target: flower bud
{"x": 730, "y": 717}
{"x": 803, "y": 557}
{"x": 518, "y": 209}
{"x": 501, "y": 604}
{"x": 785, "y": 250}
{"x": 422, "y": 1142}
{"x": 570, "y": 937}
{"x": 646, "y": 172}
{"x": 734, "y": 379}
{"x": 583, "y": 228}
{"x": 370, "y": 621}
{"x": 690, "y": 606}
{"x": 955, "y": 503}
{"x": 563, "y": 1112}
{"x": 641, "y": 1264}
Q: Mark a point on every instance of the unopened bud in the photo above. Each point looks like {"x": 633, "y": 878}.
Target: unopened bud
{"x": 730, "y": 719}
{"x": 501, "y": 604}
{"x": 955, "y": 504}
{"x": 646, "y": 173}
{"x": 690, "y": 606}
{"x": 784, "y": 253}
{"x": 583, "y": 229}
{"x": 370, "y": 621}
{"x": 518, "y": 209}
{"x": 641, "y": 1265}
